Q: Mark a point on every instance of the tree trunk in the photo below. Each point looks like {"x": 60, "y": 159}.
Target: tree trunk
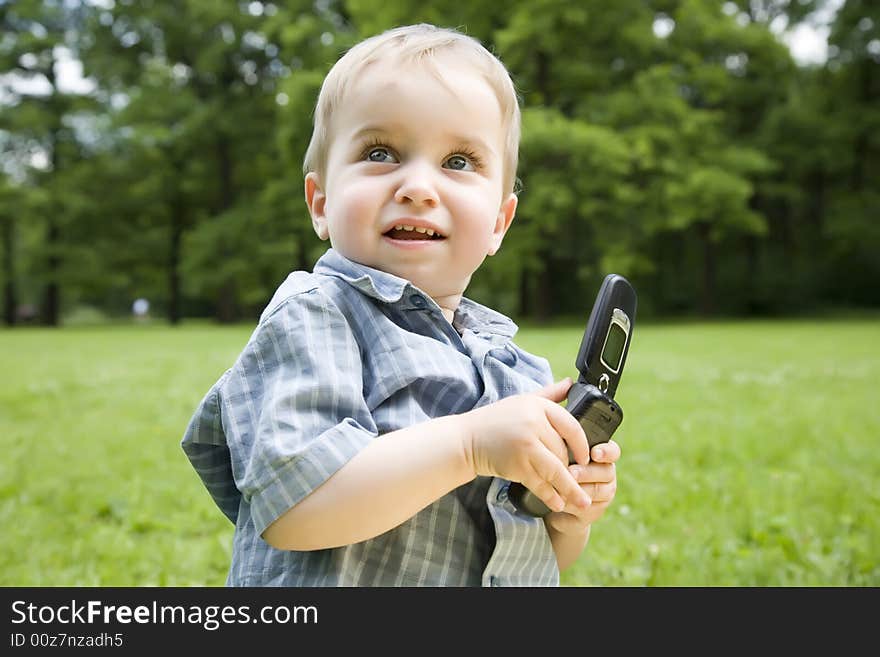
{"x": 10, "y": 301}
{"x": 707, "y": 292}
{"x": 543, "y": 289}
{"x": 751, "y": 248}
{"x": 525, "y": 299}
{"x": 52, "y": 297}
{"x": 816, "y": 207}
{"x": 177, "y": 219}
{"x": 302, "y": 261}
{"x": 753, "y": 301}
{"x": 227, "y": 306}
{"x": 860, "y": 147}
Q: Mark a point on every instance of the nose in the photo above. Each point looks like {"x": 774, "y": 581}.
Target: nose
{"x": 416, "y": 185}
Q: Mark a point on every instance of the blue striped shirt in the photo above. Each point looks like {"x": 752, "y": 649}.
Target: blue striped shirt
{"x": 340, "y": 356}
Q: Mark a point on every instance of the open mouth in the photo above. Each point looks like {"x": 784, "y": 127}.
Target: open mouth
{"x": 404, "y": 232}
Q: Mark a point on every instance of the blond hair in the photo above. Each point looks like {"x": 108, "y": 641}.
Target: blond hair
{"x": 414, "y": 43}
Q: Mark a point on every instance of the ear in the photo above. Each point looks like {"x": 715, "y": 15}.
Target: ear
{"x": 502, "y": 223}
{"x": 316, "y": 200}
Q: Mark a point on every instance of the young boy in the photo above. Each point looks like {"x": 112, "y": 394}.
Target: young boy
{"x": 367, "y": 434}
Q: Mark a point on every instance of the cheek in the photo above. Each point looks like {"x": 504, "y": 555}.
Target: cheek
{"x": 478, "y": 213}
{"x": 355, "y": 201}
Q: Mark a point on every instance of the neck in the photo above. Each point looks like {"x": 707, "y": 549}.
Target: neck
{"x": 448, "y": 305}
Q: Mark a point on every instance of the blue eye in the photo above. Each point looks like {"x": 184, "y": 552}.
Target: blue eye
{"x": 462, "y": 161}
{"x": 380, "y": 154}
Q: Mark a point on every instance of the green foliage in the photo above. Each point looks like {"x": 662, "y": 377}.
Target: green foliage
{"x": 674, "y": 141}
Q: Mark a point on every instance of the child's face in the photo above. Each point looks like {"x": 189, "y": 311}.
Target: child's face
{"x": 409, "y": 150}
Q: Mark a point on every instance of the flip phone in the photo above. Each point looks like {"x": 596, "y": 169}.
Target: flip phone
{"x": 600, "y": 362}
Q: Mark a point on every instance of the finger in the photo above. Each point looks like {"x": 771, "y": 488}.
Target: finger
{"x": 555, "y": 392}
{"x": 552, "y": 471}
{"x": 551, "y": 441}
{"x": 544, "y": 492}
{"x": 607, "y": 452}
{"x": 579, "y": 508}
{"x": 594, "y": 472}
{"x": 600, "y": 492}
{"x": 571, "y": 431}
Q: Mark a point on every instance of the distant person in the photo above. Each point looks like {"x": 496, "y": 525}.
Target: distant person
{"x": 27, "y": 312}
{"x": 140, "y": 309}
{"x": 370, "y": 429}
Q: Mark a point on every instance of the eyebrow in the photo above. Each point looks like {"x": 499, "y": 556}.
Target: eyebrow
{"x": 370, "y": 130}
{"x": 460, "y": 139}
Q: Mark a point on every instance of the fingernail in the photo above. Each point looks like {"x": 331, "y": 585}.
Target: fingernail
{"x": 598, "y": 453}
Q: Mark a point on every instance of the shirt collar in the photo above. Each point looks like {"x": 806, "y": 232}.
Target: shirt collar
{"x": 390, "y": 289}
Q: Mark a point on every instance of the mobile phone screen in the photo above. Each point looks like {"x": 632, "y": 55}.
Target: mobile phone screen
{"x": 612, "y": 352}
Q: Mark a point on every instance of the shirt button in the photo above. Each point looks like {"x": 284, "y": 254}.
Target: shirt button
{"x": 502, "y": 494}
{"x": 418, "y": 301}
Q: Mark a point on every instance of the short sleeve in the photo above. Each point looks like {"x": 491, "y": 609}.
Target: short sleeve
{"x": 292, "y": 408}
{"x": 204, "y": 444}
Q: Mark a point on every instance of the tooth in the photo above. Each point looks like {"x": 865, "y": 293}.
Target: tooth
{"x": 408, "y": 228}
{"x": 398, "y": 228}
{"x": 421, "y": 230}
{"x": 430, "y": 232}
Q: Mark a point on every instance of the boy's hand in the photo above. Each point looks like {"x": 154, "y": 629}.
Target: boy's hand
{"x": 527, "y": 438}
{"x": 599, "y": 480}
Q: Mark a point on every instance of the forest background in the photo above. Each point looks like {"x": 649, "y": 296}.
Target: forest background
{"x": 676, "y": 142}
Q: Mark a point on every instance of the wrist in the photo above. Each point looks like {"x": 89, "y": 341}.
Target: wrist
{"x": 567, "y": 546}
{"x": 462, "y": 428}
{"x": 567, "y": 531}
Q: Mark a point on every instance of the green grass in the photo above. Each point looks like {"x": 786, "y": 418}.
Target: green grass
{"x": 750, "y": 456}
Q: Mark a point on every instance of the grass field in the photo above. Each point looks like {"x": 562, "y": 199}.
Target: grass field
{"x": 750, "y": 456}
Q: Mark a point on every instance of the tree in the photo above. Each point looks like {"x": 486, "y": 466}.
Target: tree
{"x": 852, "y": 230}
{"x": 199, "y": 80}
{"x": 37, "y": 35}
{"x": 9, "y": 200}
{"x": 674, "y": 141}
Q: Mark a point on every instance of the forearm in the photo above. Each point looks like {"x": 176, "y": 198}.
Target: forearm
{"x": 568, "y": 547}
{"x": 393, "y": 478}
